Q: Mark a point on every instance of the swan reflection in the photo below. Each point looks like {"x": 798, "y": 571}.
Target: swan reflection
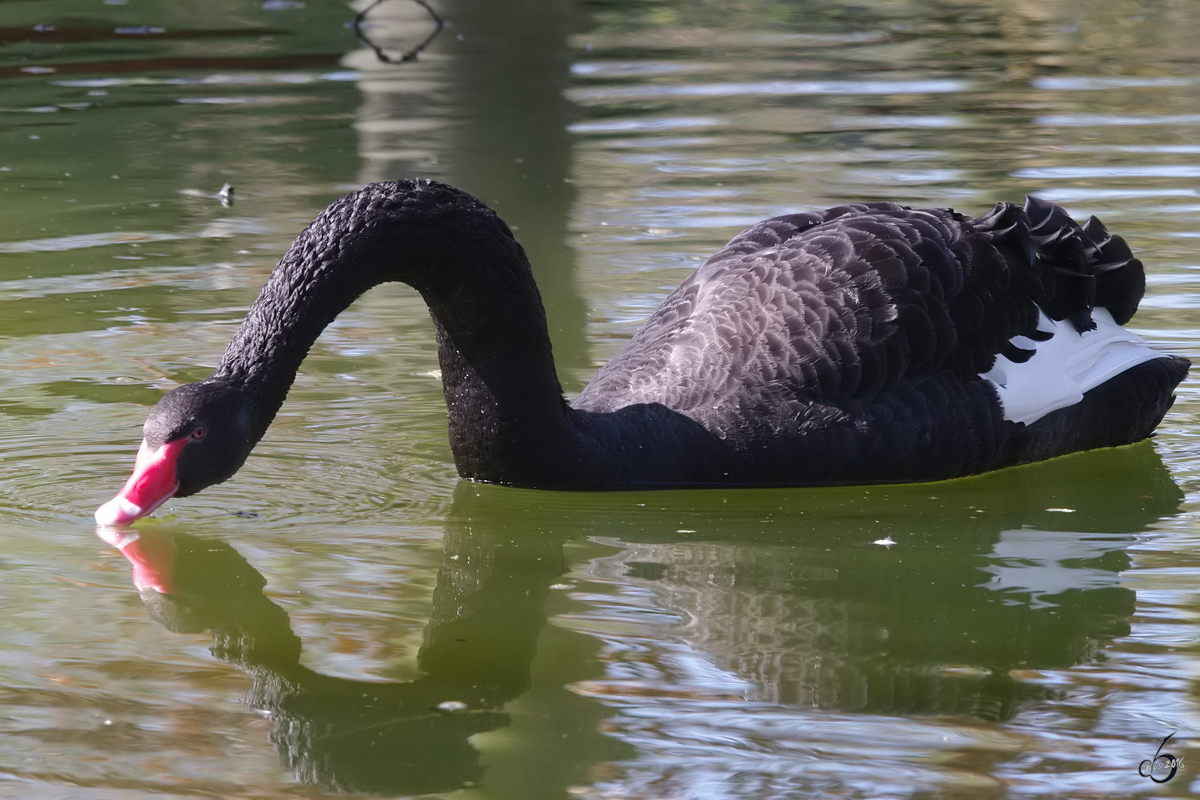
{"x": 353, "y": 735}
{"x": 715, "y": 612}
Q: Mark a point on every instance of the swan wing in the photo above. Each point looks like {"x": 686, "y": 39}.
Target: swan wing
{"x": 850, "y": 302}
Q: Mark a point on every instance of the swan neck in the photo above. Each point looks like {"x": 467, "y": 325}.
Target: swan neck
{"x": 502, "y": 391}
{"x": 506, "y": 415}
{"x": 321, "y": 274}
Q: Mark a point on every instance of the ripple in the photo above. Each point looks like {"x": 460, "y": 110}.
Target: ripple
{"x": 1184, "y": 149}
{"x": 256, "y": 100}
{"x": 222, "y": 228}
{"x": 58, "y": 244}
{"x": 1095, "y": 120}
{"x": 900, "y": 122}
{"x": 631, "y": 69}
{"x": 591, "y": 96}
{"x": 1111, "y": 171}
{"x": 1072, "y": 195}
{"x": 214, "y": 79}
{"x": 651, "y": 124}
{"x": 1092, "y": 83}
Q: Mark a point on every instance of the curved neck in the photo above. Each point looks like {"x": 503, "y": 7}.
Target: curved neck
{"x": 502, "y": 392}
{"x": 506, "y": 415}
{"x": 305, "y": 292}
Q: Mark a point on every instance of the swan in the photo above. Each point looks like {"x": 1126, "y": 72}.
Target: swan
{"x": 868, "y": 343}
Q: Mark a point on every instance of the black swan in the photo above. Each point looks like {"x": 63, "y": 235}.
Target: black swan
{"x": 863, "y": 344}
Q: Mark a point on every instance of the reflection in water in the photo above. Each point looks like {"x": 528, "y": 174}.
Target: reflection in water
{"x": 837, "y": 646}
{"x": 987, "y": 578}
{"x": 981, "y": 587}
{"x": 752, "y": 658}
{"x": 408, "y": 55}
{"x": 364, "y": 736}
{"x": 497, "y": 127}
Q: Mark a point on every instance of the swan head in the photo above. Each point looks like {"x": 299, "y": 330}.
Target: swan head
{"x": 196, "y": 436}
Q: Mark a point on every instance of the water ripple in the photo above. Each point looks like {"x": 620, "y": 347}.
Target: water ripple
{"x": 1094, "y": 120}
{"x": 214, "y": 79}
{"x": 1076, "y": 83}
{"x": 1111, "y": 171}
{"x": 648, "y": 124}
{"x": 58, "y": 244}
{"x": 764, "y": 89}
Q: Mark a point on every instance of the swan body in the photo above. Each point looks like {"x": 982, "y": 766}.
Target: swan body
{"x": 862, "y": 344}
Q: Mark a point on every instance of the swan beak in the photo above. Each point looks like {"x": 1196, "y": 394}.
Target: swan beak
{"x": 151, "y": 484}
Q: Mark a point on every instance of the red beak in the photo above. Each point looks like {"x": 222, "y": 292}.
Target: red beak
{"x": 151, "y": 484}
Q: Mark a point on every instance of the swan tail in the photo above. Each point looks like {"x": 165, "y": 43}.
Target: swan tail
{"x": 1086, "y": 285}
{"x": 1119, "y": 411}
{"x": 1087, "y": 267}
{"x": 1120, "y": 278}
{"x": 1072, "y": 268}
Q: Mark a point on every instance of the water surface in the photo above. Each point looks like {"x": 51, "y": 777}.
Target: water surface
{"x": 345, "y": 616}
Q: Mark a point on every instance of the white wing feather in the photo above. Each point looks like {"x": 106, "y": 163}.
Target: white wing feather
{"x": 1065, "y": 366}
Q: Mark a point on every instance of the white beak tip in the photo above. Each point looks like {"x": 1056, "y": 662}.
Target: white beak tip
{"x": 117, "y": 511}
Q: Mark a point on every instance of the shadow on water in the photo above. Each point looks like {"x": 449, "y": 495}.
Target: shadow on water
{"x": 986, "y": 578}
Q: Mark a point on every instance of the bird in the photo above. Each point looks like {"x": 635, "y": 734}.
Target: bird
{"x": 866, "y": 343}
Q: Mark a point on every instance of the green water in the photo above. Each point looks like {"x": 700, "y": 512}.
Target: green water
{"x": 345, "y": 616}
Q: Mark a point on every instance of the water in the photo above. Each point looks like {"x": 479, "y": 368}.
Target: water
{"x": 346, "y": 617}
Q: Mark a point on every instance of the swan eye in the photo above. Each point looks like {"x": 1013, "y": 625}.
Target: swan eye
{"x": 198, "y": 434}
